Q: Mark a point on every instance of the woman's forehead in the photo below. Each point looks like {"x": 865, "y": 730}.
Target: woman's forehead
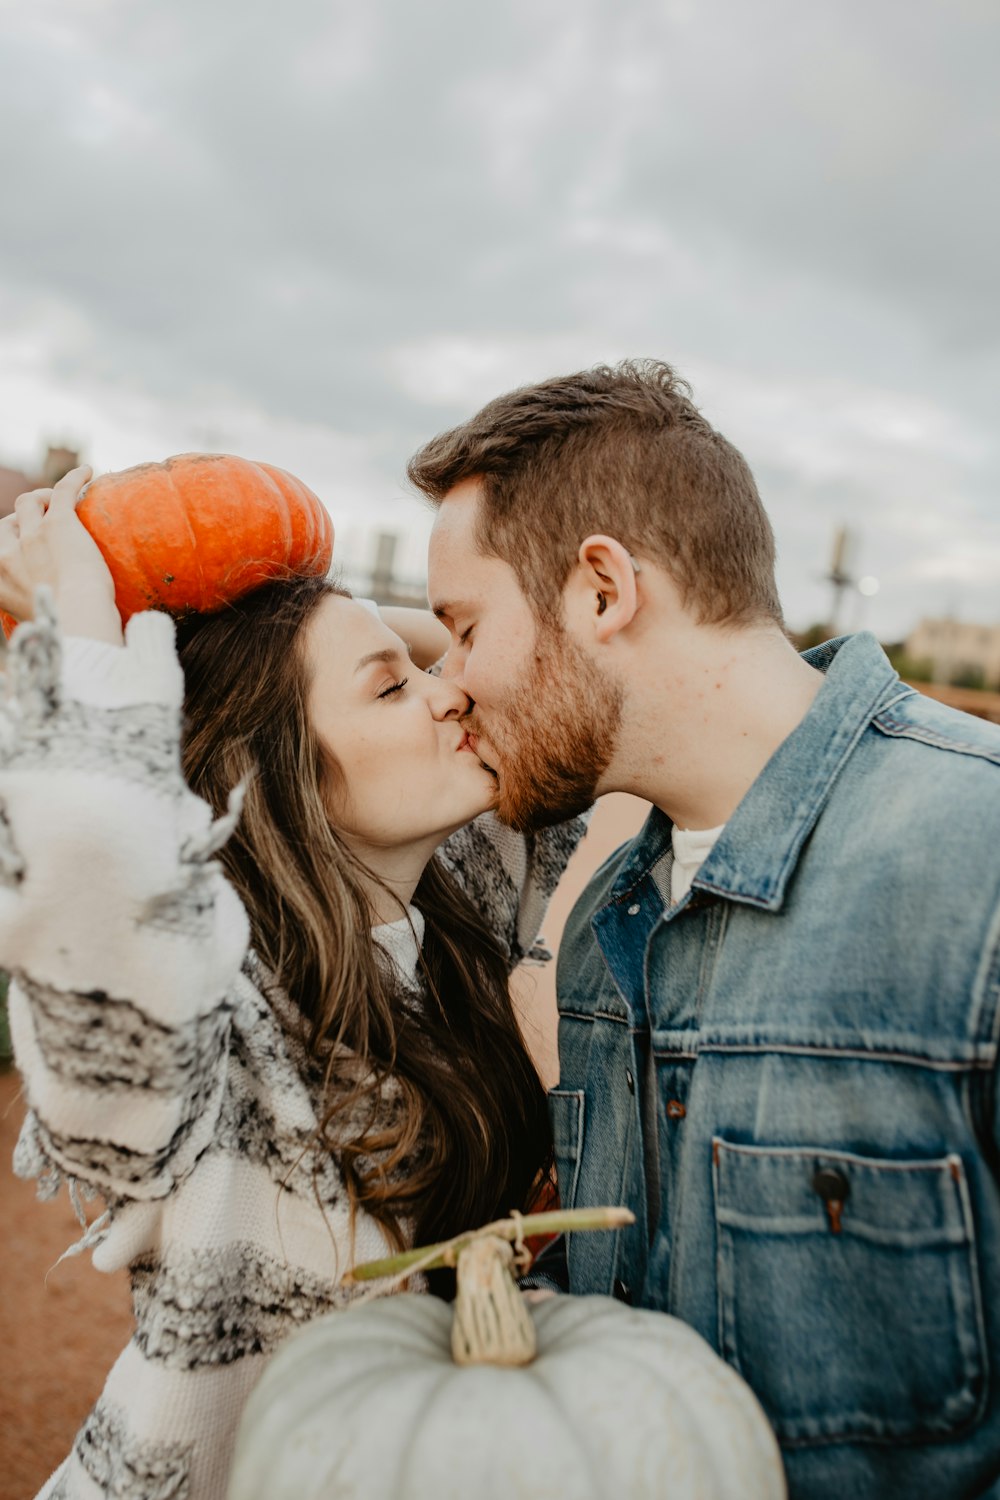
{"x": 343, "y": 632}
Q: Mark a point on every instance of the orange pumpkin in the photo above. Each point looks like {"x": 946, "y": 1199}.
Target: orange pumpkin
{"x": 200, "y": 529}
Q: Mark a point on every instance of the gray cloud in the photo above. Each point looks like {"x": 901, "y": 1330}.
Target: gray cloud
{"x": 355, "y": 218}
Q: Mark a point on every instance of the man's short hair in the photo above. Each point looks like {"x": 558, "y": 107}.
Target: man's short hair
{"x": 621, "y": 450}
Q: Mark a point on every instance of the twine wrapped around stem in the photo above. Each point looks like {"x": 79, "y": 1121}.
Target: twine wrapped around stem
{"x": 395, "y": 1269}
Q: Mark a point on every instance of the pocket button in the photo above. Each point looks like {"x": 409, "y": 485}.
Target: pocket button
{"x": 831, "y": 1185}
{"x": 834, "y": 1189}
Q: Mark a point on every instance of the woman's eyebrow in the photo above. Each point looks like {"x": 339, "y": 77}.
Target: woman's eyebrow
{"x": 390, "y": 654}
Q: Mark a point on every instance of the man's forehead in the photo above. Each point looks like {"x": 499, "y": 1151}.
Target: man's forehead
{"x": 453, "y": 556}
{"x": 463, "y": 586}
{"x": 455, "y": 521}
{"x": 453, "y": 584}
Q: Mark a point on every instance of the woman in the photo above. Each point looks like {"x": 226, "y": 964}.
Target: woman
{"x": 277, "y": 1042}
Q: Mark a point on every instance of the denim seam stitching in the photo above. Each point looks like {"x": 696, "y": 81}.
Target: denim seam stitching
{"x": 861, "y": 1054}
{"x": 900, "y": 729}
{"x": 580, "y": 1098}
{"x": 985, "y": 1012}
{"x": 965, "y": 1201}
{"x": 938, "y": 1164}
{"x": 600, "y": 1015}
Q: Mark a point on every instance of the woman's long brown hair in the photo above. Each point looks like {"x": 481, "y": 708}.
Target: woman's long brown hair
{"x": 466, "y": 1135}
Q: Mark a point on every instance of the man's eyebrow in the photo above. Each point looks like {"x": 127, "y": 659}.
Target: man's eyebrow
{"x": 449, "y": 609}
{"x": 389, "y": 654}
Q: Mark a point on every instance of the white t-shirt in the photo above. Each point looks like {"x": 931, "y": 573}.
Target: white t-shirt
{"x": 402, "y": 941}
{"x": 692, "y": 847}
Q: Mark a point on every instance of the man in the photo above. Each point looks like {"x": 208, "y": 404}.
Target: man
{"x": 779, "y": 1003}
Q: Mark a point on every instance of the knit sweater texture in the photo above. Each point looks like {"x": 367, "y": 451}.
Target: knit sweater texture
{"x": 162, "y": 1066}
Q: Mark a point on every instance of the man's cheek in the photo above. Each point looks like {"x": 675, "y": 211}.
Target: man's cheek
{"x": 479, "y": 691}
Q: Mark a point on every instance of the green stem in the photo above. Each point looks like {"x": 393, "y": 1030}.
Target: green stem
{"x": 559, "y": 1221}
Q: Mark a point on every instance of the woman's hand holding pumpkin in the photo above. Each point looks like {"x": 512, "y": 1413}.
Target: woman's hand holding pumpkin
{"x": 44, "y": 542}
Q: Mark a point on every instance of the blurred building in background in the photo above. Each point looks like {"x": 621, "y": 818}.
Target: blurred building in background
{"x": 13, "y": 482}
{"x": 382, "y": 565}
{"x": 957, "y": 652}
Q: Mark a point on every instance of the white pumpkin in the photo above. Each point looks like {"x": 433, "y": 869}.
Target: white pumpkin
{"x": 368, "y": 1404}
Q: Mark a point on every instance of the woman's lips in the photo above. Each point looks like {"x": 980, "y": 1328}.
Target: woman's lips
{"x": 473, "y": 745}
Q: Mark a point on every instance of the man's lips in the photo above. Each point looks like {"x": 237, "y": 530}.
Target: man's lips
{"x": 471, "y": 742}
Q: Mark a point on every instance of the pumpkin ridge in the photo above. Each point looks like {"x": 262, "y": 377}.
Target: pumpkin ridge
{"x": 183, "y": 511}
{"x": 416, "y": 1427}
{"x": 544, "y": 1387}
{"x": 281, "y": 490}
{"x": 702, "y": 1419}
{"x": 202, "y": 527}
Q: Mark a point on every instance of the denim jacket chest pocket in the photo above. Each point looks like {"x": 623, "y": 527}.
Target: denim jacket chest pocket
{"x": 848, "y": 1292}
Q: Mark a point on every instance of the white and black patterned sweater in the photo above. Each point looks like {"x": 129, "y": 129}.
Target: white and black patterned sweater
{"x": 156, "y": 1072}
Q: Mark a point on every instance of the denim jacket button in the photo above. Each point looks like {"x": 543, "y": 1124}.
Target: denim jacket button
{"x": 675, "y": 1110}
{"x": 623, "y": 1292}
{"x": 634, "y": 909}
{"x": 831, "y": 1185}
{"x": 630, "y": 1080}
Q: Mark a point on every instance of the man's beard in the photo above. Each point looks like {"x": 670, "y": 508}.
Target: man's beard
{"x": 553, "y": 737}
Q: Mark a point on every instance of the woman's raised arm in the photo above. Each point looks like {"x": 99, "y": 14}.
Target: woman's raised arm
{"x": 119, "y": 931}
{"x": 426, "y": 637}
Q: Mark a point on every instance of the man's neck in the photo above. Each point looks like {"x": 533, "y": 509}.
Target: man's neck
{"x": 706, "y": 710}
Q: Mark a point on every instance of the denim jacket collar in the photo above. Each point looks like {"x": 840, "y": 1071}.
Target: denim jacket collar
{"x": 757, "y": 851}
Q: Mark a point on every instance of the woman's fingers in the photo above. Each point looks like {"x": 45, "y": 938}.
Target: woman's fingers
{"x": 36, "y": 546}
{"x": 67, "y": 492}
{"x": 16, "y": 593}
{"x": 29, "y": 511}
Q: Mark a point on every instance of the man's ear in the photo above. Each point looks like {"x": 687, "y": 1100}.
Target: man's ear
{"x": 605, "y": 577}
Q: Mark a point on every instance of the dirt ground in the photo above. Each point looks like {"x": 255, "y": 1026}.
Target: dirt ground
{"x": 60, "y": 1332}
{"x": 59, "y": 1335}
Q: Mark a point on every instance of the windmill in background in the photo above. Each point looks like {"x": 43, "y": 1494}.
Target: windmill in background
{"x": 842, "y": 577}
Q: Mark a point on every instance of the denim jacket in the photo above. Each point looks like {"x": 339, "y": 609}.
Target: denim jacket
{"x": 790, "y": 1077}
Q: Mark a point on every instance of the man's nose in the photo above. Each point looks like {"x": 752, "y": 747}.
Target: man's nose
{"x": 449, "y": 700}
{"x": 452, "y": 666}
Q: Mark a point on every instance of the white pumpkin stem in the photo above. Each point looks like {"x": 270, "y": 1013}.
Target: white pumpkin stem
{"x": 491, "y": 1324}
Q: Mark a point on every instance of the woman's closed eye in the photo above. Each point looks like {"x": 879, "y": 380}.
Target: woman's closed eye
{"x": 394, "y": 687}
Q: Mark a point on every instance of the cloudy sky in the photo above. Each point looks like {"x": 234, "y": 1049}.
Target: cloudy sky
{"x": 315, "y": 233}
